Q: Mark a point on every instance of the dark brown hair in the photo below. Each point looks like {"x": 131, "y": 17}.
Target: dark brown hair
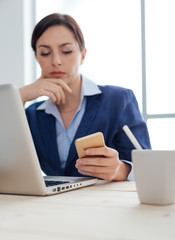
{"x": 54, "y": 20}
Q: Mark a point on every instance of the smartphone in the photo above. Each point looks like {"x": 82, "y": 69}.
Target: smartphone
{"x": 89, "y": 141}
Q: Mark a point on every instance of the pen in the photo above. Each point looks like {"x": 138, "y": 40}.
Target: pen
{"x": 131, "y": 137}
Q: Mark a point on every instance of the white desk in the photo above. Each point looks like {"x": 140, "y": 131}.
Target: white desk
{"x": 105, "y": 211}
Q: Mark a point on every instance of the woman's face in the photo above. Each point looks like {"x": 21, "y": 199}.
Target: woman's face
{"x": 59, "y": 55}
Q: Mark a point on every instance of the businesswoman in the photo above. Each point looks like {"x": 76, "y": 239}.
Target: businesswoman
{"x": 77, "y": 107}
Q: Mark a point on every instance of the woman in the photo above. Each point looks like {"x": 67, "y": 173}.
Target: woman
{"x": 77, "y": 107}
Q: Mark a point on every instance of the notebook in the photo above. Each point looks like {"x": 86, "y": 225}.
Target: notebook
{"x": 20, "y": 171}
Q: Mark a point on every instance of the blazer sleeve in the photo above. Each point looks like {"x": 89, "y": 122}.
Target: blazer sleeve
{"x": 129, "y": 114}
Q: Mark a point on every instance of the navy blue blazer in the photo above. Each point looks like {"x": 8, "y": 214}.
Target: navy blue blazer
{"x": 107, "y": 113}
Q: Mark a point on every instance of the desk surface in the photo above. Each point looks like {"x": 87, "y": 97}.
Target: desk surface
{"x": 105, "y": 211}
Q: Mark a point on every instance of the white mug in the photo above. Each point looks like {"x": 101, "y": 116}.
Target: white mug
{"x": 154, "y": 174}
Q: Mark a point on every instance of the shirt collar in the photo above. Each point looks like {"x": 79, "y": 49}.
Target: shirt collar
{"x": 89, "y": 88}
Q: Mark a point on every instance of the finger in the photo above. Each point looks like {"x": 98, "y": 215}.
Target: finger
{"x": 54, "y": 81}
{"x": 103, "y": 151}
{"x": 56, "y": 91}
{"x": 62, "y": 96}
{"x": 96, "y": 161}
{"x": 50, "y": 95}
{"x": 56, "y": 86}
{"x": 99, "y": 175}
{"x": 61, "y": 83}
{"x": 95, "y": 169}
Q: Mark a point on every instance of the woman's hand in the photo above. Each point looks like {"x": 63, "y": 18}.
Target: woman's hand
{"x": 107, "y": 167}
{"x": 53, "y": 88}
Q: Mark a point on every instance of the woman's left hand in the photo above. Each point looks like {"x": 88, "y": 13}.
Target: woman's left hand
{"x": 103, "y": 162}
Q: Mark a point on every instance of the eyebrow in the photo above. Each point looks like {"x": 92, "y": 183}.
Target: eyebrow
{"x": 61, "y": 45}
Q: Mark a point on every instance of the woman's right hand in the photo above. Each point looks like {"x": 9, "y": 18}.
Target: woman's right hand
{"x": 54, "y": 88}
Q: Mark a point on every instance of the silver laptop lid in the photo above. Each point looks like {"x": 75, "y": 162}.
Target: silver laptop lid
{"x": 19, "y": 167}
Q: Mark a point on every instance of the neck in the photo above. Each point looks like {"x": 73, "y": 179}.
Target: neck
{"x": 71, "y": 110}
{"x": 72, "y": 100}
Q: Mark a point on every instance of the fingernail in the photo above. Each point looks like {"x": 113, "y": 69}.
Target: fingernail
{"x": 88, "y": 151}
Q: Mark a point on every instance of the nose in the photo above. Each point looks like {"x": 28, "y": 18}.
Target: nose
{"x": 56, "y": 60}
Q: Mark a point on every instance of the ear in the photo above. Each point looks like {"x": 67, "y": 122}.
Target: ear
{"x": 83, "y": 55}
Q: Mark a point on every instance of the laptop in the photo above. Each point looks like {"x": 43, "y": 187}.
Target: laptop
{"x": 20, "y": 171}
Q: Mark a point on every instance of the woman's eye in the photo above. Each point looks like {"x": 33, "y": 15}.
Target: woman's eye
{"x": 67, "y": 52}
{"x": 45, "y": 54}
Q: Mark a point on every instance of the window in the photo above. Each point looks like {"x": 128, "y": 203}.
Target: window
{"x": 160, "y": 72}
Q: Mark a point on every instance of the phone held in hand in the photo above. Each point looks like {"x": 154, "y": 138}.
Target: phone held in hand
{"x": 90, "y": 141}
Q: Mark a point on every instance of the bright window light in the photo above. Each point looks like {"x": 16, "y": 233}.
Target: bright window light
{"x": 160, "y": 56}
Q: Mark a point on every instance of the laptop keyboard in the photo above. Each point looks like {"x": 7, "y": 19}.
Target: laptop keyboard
{"x": 52, "y": 183}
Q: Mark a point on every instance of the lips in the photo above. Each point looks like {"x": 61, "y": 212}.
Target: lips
{"x": 57, "y": 74}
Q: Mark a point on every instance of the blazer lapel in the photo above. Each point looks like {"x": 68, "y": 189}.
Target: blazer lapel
{"x": 92, "y": 106}
{"x": 48, "y": 132}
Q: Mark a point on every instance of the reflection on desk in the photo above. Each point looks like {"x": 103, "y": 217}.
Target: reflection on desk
{"x": 105, "y": 211}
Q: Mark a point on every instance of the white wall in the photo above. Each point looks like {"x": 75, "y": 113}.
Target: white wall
{"x": 16, "y": 23}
